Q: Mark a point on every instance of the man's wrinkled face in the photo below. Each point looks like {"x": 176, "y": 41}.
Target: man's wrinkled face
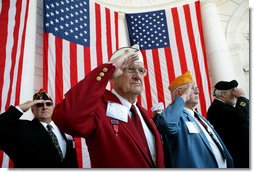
{"x": 131, "y": 81}
{"x": 43, "y": 111}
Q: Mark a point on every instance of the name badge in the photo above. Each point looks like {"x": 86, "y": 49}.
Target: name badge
{"x": 192, "y": 127}
{"x": 117, "y": 111}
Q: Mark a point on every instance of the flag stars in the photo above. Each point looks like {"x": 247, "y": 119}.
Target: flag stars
{"x": 68, "y": 19}
{"x": 149, "y": 29}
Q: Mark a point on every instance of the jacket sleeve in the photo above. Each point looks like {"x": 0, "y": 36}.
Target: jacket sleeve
{"x": 75, "y": 115}
{"x": 8, "y": 125}
{"x": 242, "y": 107}
{"x": 172, "y": 115}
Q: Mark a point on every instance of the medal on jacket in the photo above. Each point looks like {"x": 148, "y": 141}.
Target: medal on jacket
{"x": 115, "y": 124}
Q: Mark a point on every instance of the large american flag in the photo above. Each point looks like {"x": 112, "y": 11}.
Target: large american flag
{"x": 172, "y": 42}
{"x": 78, "y": 36}
{"x": 13, "y": 20}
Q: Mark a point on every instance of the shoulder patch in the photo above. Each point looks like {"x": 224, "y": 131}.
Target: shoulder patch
{"x": 242, "y": 104}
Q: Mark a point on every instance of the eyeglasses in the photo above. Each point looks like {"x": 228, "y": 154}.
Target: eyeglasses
{"x": 131, "y": 70}
{"x": 48, "y": 104}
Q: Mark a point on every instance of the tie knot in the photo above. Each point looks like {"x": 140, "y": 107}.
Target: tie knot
{"x": 49, "y": 127}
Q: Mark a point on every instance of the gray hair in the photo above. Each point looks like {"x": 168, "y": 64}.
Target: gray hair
{"x": 217, "y": 93}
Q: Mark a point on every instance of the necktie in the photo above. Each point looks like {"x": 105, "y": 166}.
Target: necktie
{"x": 210, "y": 133}
{"x": 137, "y": 123}
{"x": 55, "y": 141}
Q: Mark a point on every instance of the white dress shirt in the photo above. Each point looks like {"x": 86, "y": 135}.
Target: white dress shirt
{"x": 59, "y": 136}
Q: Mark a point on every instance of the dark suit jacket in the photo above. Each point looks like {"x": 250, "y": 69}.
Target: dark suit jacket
{"x": 111, "y": 143}
{"x": 232, "y": 124}
{"x": 29, "y": 145}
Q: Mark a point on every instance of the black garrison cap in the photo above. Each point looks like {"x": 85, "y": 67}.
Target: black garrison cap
{"x": 224, "y": 85}
{"x": 42, "y": 95}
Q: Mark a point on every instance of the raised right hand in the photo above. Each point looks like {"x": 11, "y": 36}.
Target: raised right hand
{"x": 28, "y": 104}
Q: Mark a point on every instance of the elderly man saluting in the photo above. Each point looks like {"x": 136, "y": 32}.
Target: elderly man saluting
{"x": 191, "y": 141}
{"x": 119, "y": 132}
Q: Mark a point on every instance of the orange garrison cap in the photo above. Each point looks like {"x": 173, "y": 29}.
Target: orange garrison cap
{"x": 180, "y": 80}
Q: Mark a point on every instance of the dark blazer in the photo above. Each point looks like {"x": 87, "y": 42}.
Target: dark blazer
{"x": 29, "y": 145}
{"x": 185, "y": 149}
{"x": 111, "y": 143}
{"x": 232, "y": 124}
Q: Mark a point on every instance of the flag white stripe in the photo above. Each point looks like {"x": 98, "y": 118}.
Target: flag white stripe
{"x": 164, "y": 71}
{"x": 51, "y": 65}
{"x": 80, "y": 62}
{"x": 173, "y": 45}
{"x": 93, "y": 53}
{"x": 103, "y": 33}
{"x": 113, "y": 31}
{"x": 66, "y": 66}
{"x": 152, "y": 78}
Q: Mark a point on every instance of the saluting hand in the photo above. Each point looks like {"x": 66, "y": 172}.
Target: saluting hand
{"x": 27, "y": 105}
{"x": 238, "y": 92}
{"x": 123, "y": 61}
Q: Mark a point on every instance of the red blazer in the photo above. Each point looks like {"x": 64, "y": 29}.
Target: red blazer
{"x": 83, "y": 114}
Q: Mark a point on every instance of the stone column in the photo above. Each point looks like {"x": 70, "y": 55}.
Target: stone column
{"x": 218, "y": 56}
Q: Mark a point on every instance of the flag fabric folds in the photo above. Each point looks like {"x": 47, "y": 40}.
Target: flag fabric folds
{"x": 78, "y": 36}
{"x": 13, "y": 22}
{"x": 172, "y": 42}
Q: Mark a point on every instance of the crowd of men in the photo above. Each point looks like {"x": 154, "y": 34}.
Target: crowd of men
{"x": 120, "y": 133}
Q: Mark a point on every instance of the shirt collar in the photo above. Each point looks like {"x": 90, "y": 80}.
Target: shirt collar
{"x": 51, "y": 123}
{"x": 189, "y": 111}
{"x": 123, "y": 100}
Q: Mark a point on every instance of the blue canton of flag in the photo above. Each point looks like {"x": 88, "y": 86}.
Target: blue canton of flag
{"x": 148, "y": 29}
{"x": 68, "y": 19}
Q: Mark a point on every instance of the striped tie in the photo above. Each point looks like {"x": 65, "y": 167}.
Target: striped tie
{"x": 55, "y": 141}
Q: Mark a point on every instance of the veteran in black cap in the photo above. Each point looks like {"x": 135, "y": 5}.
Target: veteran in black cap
{"x": 229, "y": 114}
{"x": 38, "y": 143}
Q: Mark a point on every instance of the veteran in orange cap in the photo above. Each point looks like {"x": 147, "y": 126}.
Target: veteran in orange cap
{"x": 190, "y": 140}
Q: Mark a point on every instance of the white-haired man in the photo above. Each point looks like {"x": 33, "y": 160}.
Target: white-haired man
{"x": 116, "y": 137}
{"x": 229, "y": 114}
{"x": 191, "y": 142}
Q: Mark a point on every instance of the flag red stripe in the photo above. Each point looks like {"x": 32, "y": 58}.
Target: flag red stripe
{"x": 14, "y": 50}
{"x": 116, "y": 30}
{"x": 20, "y": 66}
{"x": 194, "y": 53}
{"x": 199, "y": 19}
{"x": 59, "y": 70}
{"x": 147, "y": 83}
{"x": 98, "y": 34}
{"x": 73, "y": 64}
{"x": 78, "y": 151}
{"x": 4, "y": 15}
{"x": 170, "y": 67}
{"x": 179, "y": 41}
{"x": 45, "y": 60}
{"x": 87, "y": 59}
{"x": 158, "y": 78}
{"x": 108, "y": 33}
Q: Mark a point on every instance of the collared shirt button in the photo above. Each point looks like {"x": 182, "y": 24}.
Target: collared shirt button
{"x": 101, "y": 74}
{"x": 105, "y": 69}
{"x": 98, "y": 78}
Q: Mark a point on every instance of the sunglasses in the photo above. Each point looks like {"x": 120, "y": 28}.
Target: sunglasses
{"x": 48, "y": 104}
